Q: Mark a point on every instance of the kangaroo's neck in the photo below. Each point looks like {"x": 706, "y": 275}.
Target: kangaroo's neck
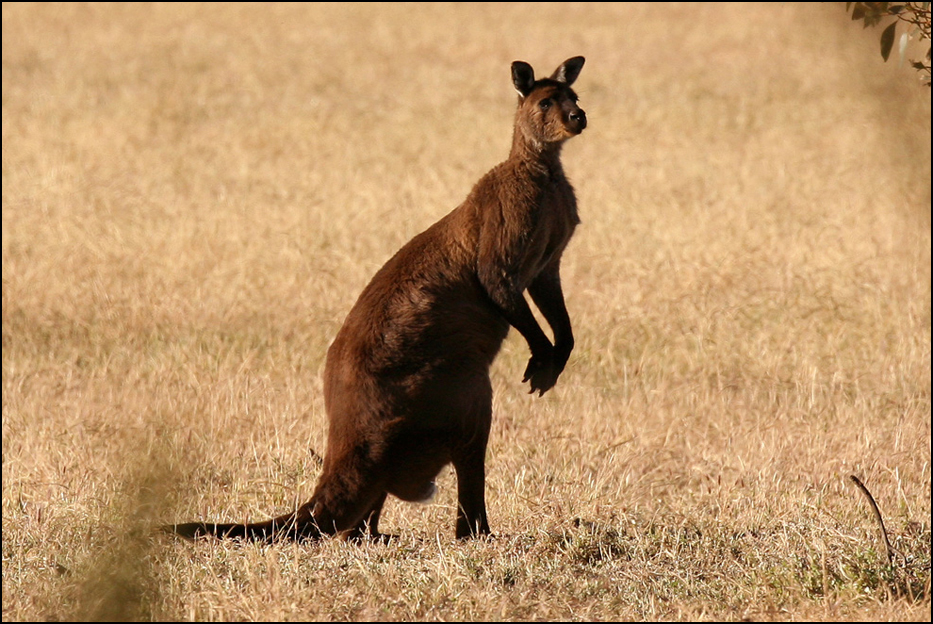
{"x": 539, "y": 159}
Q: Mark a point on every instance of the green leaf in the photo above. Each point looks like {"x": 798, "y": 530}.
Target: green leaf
{"x": 887, "y": 40}
{"x": 858, "y": 12}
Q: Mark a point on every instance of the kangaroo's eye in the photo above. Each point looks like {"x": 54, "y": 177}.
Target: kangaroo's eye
{"x": 545, "y": 103}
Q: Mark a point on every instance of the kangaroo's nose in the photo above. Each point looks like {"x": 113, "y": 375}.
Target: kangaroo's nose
{"x": 578, "y": 117}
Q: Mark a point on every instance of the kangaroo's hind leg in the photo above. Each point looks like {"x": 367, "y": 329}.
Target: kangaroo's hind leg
{"x": 471, "y": 496}
{"x": 470, "y": 464}
{"x": 368, "y": 527}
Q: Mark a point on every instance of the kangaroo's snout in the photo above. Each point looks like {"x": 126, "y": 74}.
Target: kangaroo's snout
{"x": 578, "y": 120}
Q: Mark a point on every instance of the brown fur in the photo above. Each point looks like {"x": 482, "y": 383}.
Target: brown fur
{"x": 406, "y": 384}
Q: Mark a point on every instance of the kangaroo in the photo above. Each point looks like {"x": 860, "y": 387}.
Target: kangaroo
{"x": 406, "y": 383}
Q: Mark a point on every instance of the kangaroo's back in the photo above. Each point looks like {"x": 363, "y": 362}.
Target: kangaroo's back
{"x": 406, "y": 383}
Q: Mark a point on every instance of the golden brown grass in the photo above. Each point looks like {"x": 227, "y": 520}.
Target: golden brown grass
{"x": 193, "y": 197}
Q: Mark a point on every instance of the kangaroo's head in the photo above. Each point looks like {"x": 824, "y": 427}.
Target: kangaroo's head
{"x": 547, "y": 108}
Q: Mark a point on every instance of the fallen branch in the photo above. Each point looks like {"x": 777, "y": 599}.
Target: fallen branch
{"x": 888, "y": 549}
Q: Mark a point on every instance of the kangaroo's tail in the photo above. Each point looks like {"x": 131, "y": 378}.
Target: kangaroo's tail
{"x": 293, "y": 526}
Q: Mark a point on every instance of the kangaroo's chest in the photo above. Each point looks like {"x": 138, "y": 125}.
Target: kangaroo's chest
{"x": 555, "y": 220}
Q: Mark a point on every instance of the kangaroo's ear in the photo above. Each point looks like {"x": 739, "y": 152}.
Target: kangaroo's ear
{"x": 523, "y": 77}
{"x": 569, "y": 70}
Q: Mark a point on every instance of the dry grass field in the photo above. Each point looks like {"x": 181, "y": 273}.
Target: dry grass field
{"x": 194, "y": 196}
